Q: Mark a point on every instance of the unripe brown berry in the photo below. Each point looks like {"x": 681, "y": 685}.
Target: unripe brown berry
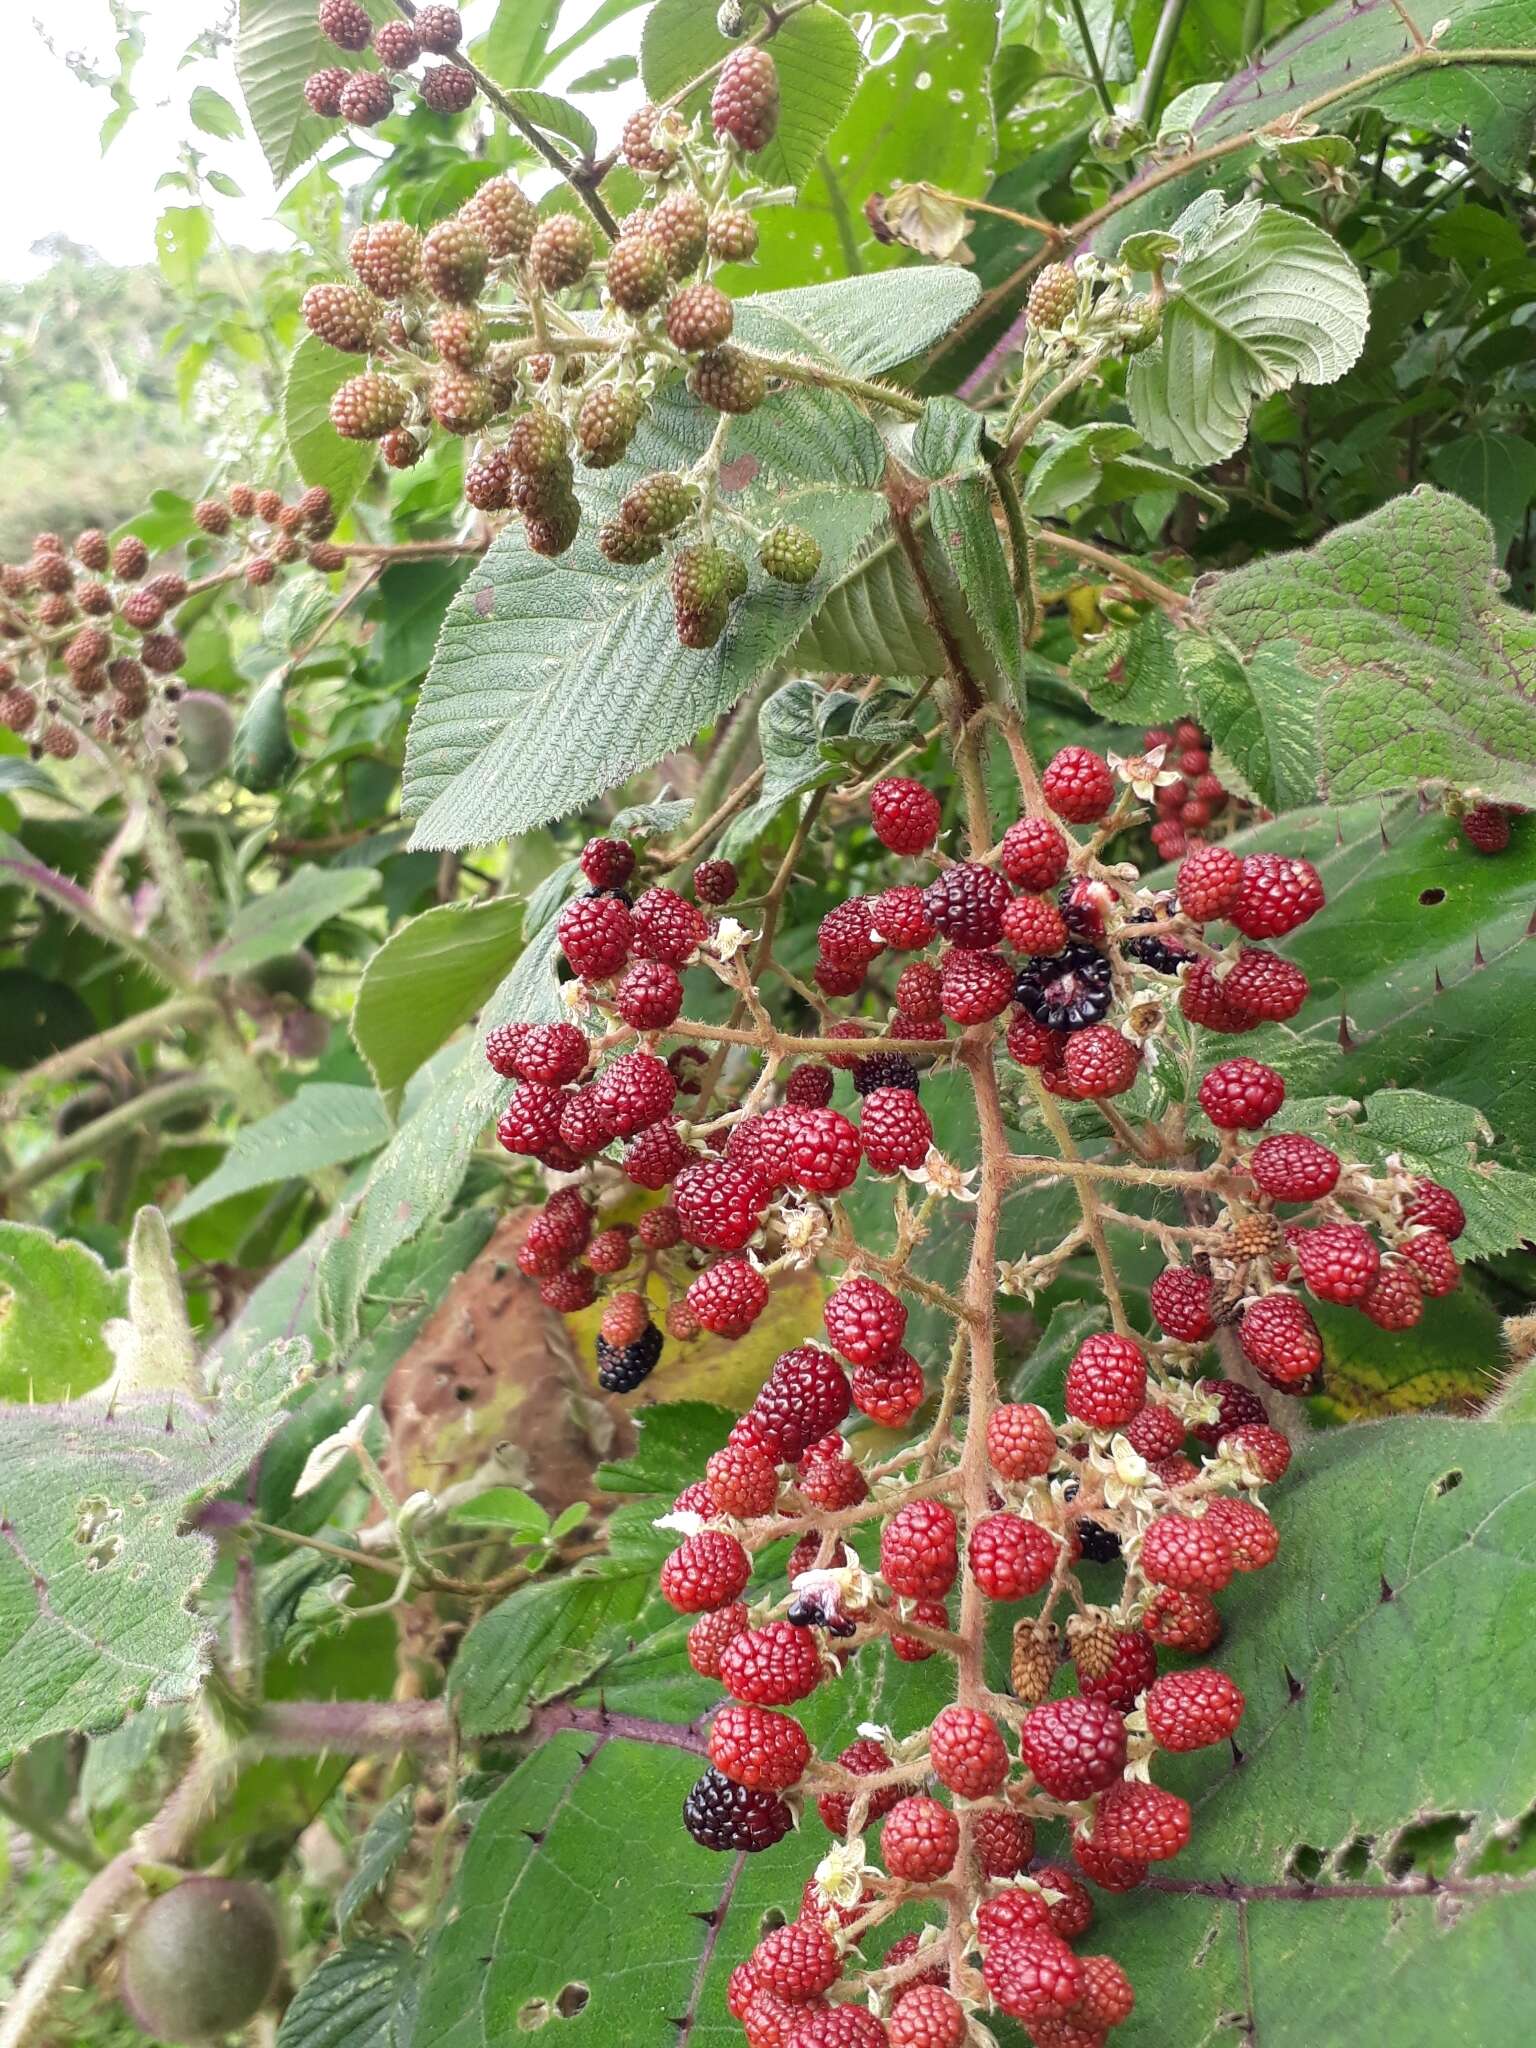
{"x": 130, "y": 559}
{"x": 213, "y": 516}
{"x": 342, "y": 317}
{"x": 259, "y": 572}
{"x": 387, "y": 258}
{"x": 637, "y": 273}
{"x": 554, "y": 532}
{"x": 94, "y": 599}
{"x": 728, "y": 380}
{"x": 448, "y": 88}
{"x": 61, "y": 741}
{"x": 606, "y": 424}
{"x": 460, "y": 336}
{"x": 642, "y": 151}
{"x": 454, "y": 260}
{"x": 323, "y": 89}
{"x": 561, "y": 252}
{"x": 537, "y": 442}
{"x": 488, "y": 481}
{"x": 732, "y": 235}
{"x": 366, "y": 407}
{"x": 242, "y": 500}
{"x": 403, "y": 448}
{"x": 461, "y": 401}
{"x": 439, "y": 30}
{"x": 92, "y": 549}
{"x": 745, "y": 101}
{"x": 680, "y": 222}
{"x": 50, "y": 572}
{"x": 395, "y": 45}
{"x": 269, "y": 506}
{"x": 325, "y": 556}
{"x": 505, "y": 216}
{"x": 18, "y": 708}
{"x": 699, "y": 317}
{"x": 346, "y": 23}
{"x": 366, "y": 99}
{"x": 316, "y": 510}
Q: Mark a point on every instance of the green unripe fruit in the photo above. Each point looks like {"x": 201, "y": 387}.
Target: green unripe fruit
{"x": 790, "y": 555}
{"x": 200, "y": 1960}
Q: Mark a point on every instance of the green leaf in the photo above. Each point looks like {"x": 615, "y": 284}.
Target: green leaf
{"x": 364, "y": 1996}
{"x": 388, "y": 1838}
{"x": 413, "y": 598}
{"x": 214, "y": 115}
{"x": 99, "y": 1572}
{"x": 1450, "y": 1359}
{"x": 676, "y": 1438}
{"x": 1430, "y": 676}
{"x": 280, "y": 43}
{"x": 962, "y": 528}
{"x": 182, "y": 236}
{"x": 1494, "y": 472}
{"x": 512, "y": 49}
{"x": 319, "y": 453}
{"x": 555, "y": 681}
{"x": 262, "y": 755}
{"x": 506, "y": 1507}
{"x": 794, "y": 761}
{"x": 1405, "y": 1549}
{"x": 428, "y": 978}
{"x": 269, "y": 925}
{"x": 817, "y": 56}
{"x": 328, "y": 1123}
{"x": 1260, "y": 299}
{"x": 1422, "y": 949}
{"x": 1262, "y": 715}
{"x": 544, "y": 1639}
{"x": 419, "y": 1172}
{"x": 1449, "y": 1142}
{"x": 1131, "y": 674}
{"x": 55, "y": 1298}
{"x": 546, "y": 110}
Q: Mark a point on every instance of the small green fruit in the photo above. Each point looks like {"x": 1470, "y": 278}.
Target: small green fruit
{"x": 200, "y": 1960}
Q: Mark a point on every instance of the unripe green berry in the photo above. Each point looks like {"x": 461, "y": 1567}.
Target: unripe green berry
{"x": 790, "y": 555}
{"x": 201, "y": 1959}
{"x": 658, "y": 504}
{"x": 606, "y": 424}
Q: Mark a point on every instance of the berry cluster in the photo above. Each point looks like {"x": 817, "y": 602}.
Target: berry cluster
{"x": 364, "y": 98}
{"x": 468, "y": 329}
{"x": 90, "y": 645}
{"x": 1035, "y": 948}
{"x": 1193, "y": 803}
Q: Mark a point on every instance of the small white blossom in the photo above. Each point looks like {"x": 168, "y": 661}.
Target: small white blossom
{"x": 1145, "y": 773}
{"x": 804, "y": 1227}
{"x": 327, "y": 1456}
{"x": 683, "y": 1520}
{"x": 840, "y": 1874}
{"x": 942, "y": 1177}
{"x": 729, "y": 938}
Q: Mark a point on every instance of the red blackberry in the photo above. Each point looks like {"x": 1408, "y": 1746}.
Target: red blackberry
{"x": 1131, "y": 1669}
{"x": 968, "y": 1755}
{"x": 667, "y": 926}
{"x": 966, "y": 903}
{"x": 890, "y": 1394}
{"x": 1435, "y": 1208}
{"x": 715, "y": 881}
{"x": 595, "y": 935}
{"x": 1429, "y": 1251}
{"x": 323, "y": 90}
{"x": 799, "y": 1961}
{"x": 810, "y": 1087}
{"x": 635, "y": 1090}
{"x": 919, "y": 1550}
{"x": 1106, "y": 1382}
{"x": 1279, "y": 892}
{"x": 1005, "y": 1842}
{"x": 845, "y": 937}
{"x": 1210, "y": 880}
{"x": 648, "y": 995}
{"x": 1240, "y": 1095}
{"x": 905, "y": 814}
{"x": 862, "y": 1759}
{"x": 1021, "y": 1440}
{"x": 1192, "y": 1709}
{"x": 1204, "y": 1001}
{"x": 1280, "y": 1339}
{"x": 719, "y": 1204}
{"x": 366, "y": 99}
{"x": 745, "y": 101}
{"x": 1141, "y": 1822}
{"x": 656, "y": 1157}
{"x": 1485, "y": 827}
{"x": 1181, "y": 1301}
{"x": 925, "y": 2016}
{"x": 804, "y": 1397}
{"x": 1033, "y": 924}
{"x": 900, "y": 917}
{"x": 734, "y": 1819}
{"x": 1267, "y": 1450}
{"x": 1034, "y": 1977}
{"x": 1338, "y": 1261}
{"x": 1178, "y": 1620}
{"x": 919, "y": 991}
{"x": 1100, "y": 1062}
{"x": 1078, "y": 785}
{"x": 772, "y": 1666}
{"x": 709, "y": 1635}
{"x": 1011, "y": 1558}
{"x": 919, "y": 1839}
{"x": 864, "y": 1321}
{"x": 346, "y": 23}
{"x": 728, "y": 1297}
{"x": 1266, "y": 986}
{"x": 824, "y": 1149}
{"x": 1034, "y": 853}
{"x": 1291, "y": 1167}
{"x": 706, "y": 1571}
{"x": 1073, "y": 1747}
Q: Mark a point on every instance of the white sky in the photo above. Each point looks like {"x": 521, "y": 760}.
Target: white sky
{"x": 53, "y": 175}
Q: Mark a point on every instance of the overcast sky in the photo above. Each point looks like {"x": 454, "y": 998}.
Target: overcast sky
{"x": 57, "y": 181}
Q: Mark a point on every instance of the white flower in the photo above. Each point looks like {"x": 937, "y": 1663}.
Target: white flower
{"x": 729, "y": 938}
{"x": 840, "y": 1873}
{"x": 574, "y": 997}
{"x": 942, "y": 1177}
{"x": 804, "y": 1227}
{"x": 1145, "y": 772}
{"x": 1125, "y": 1471}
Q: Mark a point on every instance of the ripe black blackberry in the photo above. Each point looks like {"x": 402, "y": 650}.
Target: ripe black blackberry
{"x": 387, "y": 258}
{"x": 623, "y": 1367}
{"x": 366, "y": 407}
{"x": 561, "y": 252}
{"x": 728, "y": 380}
{"x": 346, "y": 23}
{"x": 734, "y": 1819}
{"x": 448, "y": 88}
{"x": 1065, "y": 991}
{"x": 637, "y": 273}
{"x": 1157, "y": 954}
{"x": 366, "y": 99}
{"x": 699, "y": 317}
{"x": 342, "y": 316}
{"x": 606, "y": 424}
{"x": 488, "y": 481}
{"x": 505, "y": 216}
{"x": 884, "y": 1070}
{"x": 454, "y": 261}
